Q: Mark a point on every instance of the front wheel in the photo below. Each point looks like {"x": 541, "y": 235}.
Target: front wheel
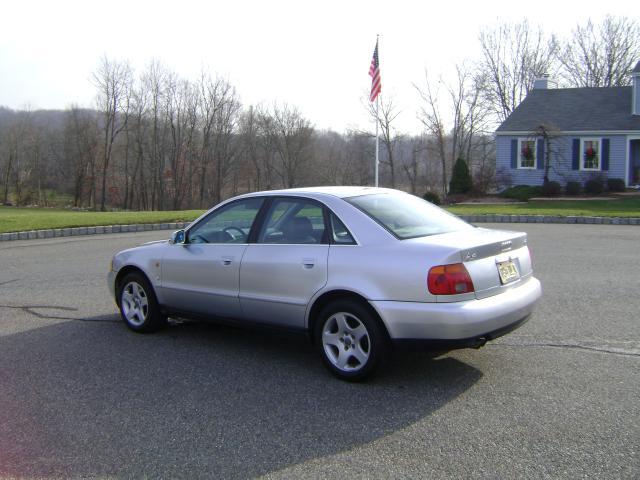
{"x": 138, "y": 304}
{"x": 350, "y": 340}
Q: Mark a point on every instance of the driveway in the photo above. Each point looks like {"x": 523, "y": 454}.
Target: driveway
{"x": 81, "y": 396}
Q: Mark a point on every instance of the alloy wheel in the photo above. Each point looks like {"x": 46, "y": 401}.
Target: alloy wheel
{"x": 346, "y": 342}
{"x": 135, "y": 304}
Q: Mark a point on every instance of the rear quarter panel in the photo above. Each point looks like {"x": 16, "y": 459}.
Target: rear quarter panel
{"x": 393, "y": 271}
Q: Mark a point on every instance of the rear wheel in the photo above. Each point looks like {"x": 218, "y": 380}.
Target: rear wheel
{"x": 138, "y": 304}
{"x": 350, "y": 340}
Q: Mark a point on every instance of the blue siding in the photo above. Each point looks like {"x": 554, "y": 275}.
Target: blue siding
{"x": 561, "y": 161}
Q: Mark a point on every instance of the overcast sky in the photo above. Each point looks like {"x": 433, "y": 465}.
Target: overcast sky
{"x": 312, "y": 54}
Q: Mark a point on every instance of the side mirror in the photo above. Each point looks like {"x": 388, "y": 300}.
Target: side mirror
{"x": 177, "y": 237}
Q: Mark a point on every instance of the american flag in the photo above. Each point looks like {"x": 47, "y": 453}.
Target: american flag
{"x": 374, "y": 73}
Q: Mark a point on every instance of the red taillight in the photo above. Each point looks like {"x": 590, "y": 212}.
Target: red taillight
{"x": 449, "y": 280}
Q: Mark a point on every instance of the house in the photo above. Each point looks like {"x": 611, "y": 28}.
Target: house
{"x": 572, "y": 134}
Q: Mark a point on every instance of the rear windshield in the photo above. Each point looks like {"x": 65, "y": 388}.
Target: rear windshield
{"x": 407, "y": 216}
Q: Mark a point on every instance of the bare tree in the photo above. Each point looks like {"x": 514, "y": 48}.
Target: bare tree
{"x": 250, "y": 157}
{"x": 513, "y": 56}
{"x": 8, "y": 150}
{"x": 359, "y": 151}
{"x": 468, "y": 117}
{"x": 23, "y": 148}
{"x": 412, "y": 169}
{"x": 156, "y": 82}
{"x": 80, "y": 144}
{"x": 553, "y": 151}
{"x": 483, "y": 162}
{"x": 113, "y": 80}
{"x": 601, "y": 55}
{"x": 138, "y": 129}
{"x": 224, "y": 133}
{"x": 291, "y": 136}
{"x": 433, "y": 122}
{"x": 385, "y": 116}
{"x": 219, "y": 106}
{"x": 182, "y": 118}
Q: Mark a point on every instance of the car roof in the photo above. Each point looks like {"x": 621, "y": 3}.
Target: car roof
{"x": 340, "y": 192}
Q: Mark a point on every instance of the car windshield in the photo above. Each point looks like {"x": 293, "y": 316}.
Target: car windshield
{"x": 407, "y": 216}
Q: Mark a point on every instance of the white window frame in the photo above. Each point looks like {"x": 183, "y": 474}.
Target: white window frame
{"x": 582, "y": 159}
{"x": 535, "y": 153}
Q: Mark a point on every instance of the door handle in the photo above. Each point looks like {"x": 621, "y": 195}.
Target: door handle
{"x": 227, "y": 260}
{"x": 308, "y": 262}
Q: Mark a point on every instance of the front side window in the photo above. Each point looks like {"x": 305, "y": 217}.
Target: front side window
{"x": 293, "y": 221}
{"x": 590, "y": 154}
{"x": 526, "y": 153}
{"x": 407, "y": 216}
{"x": 229, "y": 224}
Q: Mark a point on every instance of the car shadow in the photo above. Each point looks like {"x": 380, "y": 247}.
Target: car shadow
{"x": 87, "y": 399}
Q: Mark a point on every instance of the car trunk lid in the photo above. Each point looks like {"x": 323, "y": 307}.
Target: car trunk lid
{"x": 485, "y": 254}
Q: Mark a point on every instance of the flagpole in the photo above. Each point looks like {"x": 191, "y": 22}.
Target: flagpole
{"x": 374, "y": 72}
{"x": 377, "y": 142}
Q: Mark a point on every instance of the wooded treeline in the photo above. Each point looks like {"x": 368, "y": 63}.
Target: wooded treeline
{"x": 157, "y": 141}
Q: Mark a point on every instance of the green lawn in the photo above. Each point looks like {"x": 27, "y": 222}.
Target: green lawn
{"x": 19, "y": 219}
{"x": 624, "y": 207}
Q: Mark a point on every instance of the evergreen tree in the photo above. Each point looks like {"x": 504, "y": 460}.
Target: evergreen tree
{"x": 461, "y": 178}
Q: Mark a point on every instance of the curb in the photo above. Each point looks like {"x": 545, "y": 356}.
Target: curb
{"x": 78, "y": 231}
{"x": 146, "y": 227}
{"x": 550, "y": 219}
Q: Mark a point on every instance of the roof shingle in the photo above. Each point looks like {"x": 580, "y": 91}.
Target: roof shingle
{"x": 574, "y": 110}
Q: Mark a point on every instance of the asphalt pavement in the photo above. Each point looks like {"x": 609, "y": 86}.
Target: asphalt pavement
{"x": 83, "y": 397}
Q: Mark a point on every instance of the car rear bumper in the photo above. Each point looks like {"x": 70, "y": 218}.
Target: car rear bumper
{"x": 468, "y": 323}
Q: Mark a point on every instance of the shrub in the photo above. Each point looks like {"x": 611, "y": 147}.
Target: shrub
{"x": 460, "y": 178}
{"x": 432, "y": 197}
{"x": 594, "y": 186}
{"x": 551, "y": 189}
{"x": 573, "y": 188}
{"x": 521, "y": 192}
{"x": 615, "y": 185}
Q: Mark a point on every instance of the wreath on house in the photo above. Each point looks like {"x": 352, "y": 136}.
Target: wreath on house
{"x": 527, "y": 152}
{"x": 590, "y": 154}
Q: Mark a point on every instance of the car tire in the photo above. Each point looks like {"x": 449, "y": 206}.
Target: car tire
{"x": 138, "y": 304}
{"x": 351, "y": 340}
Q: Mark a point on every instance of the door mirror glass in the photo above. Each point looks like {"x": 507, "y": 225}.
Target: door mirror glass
{"x": 177, "y": 237}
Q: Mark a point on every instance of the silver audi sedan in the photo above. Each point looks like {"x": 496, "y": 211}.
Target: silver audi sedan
{"x": 360, "y": 269}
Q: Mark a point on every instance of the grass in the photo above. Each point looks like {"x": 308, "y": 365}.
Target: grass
{"x": 624, "y": 207}
{"x": 20, "y": 219}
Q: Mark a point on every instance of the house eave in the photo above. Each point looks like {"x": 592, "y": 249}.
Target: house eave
{"x": 530, "y": 133}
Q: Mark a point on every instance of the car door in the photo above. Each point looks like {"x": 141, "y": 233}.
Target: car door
{"x": 201, "y": 275}
{"x": 286, "y": 265}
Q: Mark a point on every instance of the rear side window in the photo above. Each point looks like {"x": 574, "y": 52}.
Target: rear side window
{"x": 293, "y": 221}
{"x": 340, "y": 234}
{"x": 407, "y": 216}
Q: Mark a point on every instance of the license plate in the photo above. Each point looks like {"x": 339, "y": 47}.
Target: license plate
{"x": 508, "y": 271}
